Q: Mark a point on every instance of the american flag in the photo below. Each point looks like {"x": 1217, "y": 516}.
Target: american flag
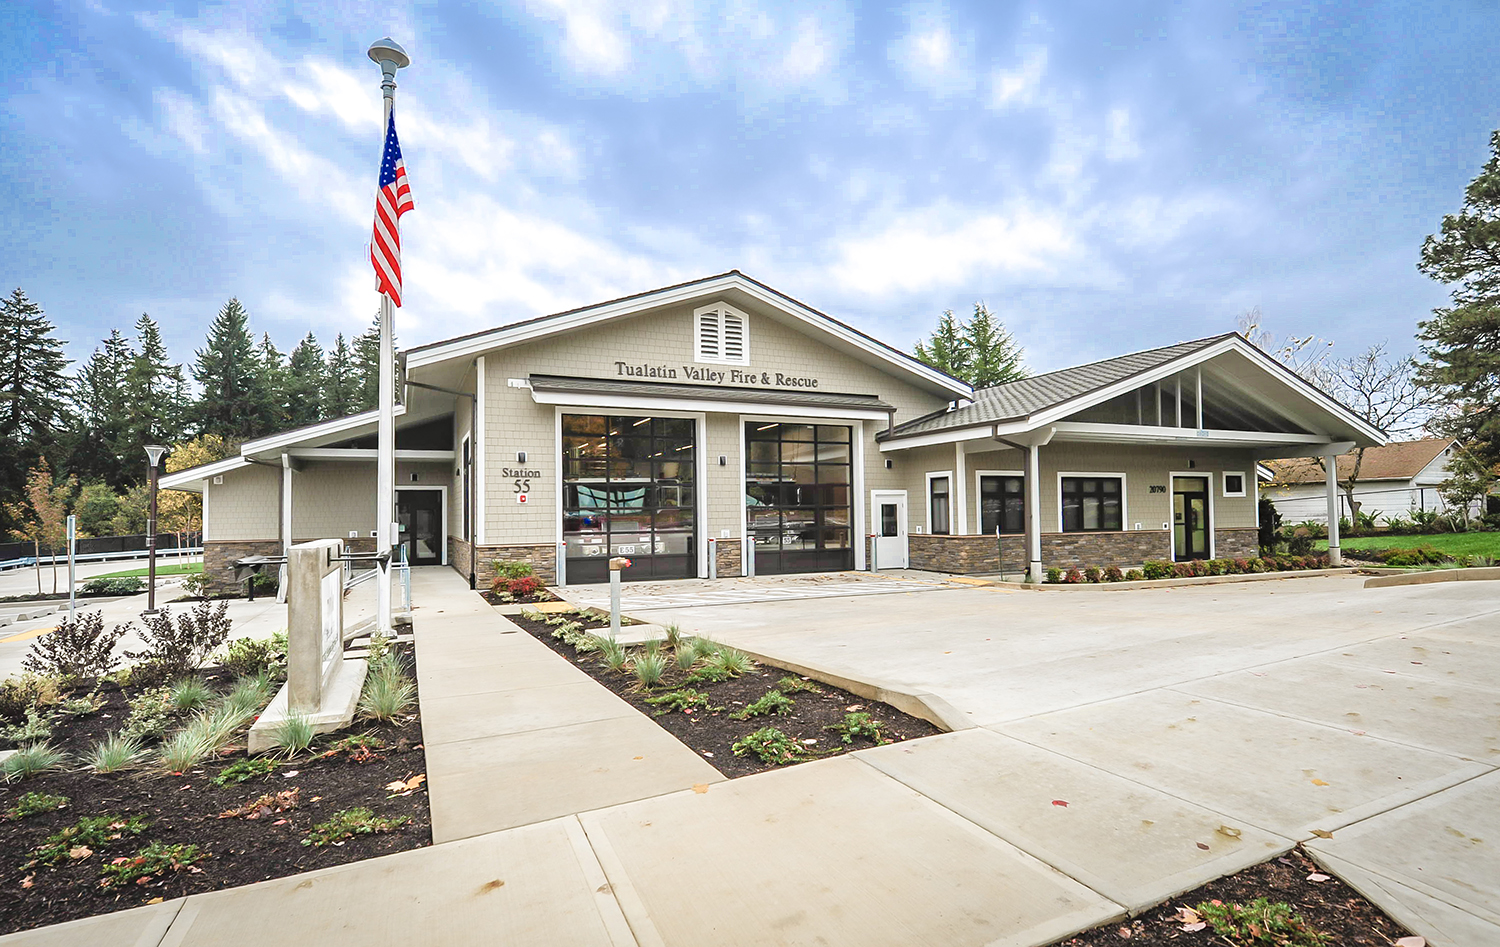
{"x": 393, "y": 200}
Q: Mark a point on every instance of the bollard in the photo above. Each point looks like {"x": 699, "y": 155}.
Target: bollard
{"x": 713, "y": 559}
{"x": 616, "y": 565}
{"x": 874, "y": 552}
{"x": 750, "y": 556}
{"x": 562, "y": 565}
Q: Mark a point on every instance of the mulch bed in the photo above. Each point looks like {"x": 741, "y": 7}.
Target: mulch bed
{"x": 185, "y": 808}
{"x": 1330, "y": 907}
{"x": 495, "y": 598}
{"x": 712, "y": 733}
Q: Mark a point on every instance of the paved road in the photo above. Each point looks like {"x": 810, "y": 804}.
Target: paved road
{"x": 24, "y": 581}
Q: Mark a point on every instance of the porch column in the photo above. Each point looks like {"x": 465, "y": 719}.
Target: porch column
{"x": 1335, "y": 556}
{"x": 1034, "y": 513}
{"x": 286, "y": 504}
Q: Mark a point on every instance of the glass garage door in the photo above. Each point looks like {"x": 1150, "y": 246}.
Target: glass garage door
{"x": 797, "y": 497}
{"x": 628, "y": 490}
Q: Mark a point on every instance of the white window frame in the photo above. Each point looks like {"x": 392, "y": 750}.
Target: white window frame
{"x": 856, "y": 485}
{"x": 718, "y": 311}
{"x": 979, "y": 497}
{"x": 429, "y": 488}
{"x": 1213, "y": 513}
{"x": 1124, "y": 496}
{"x": 927, "y": 501}
{"x": 1224, "y": 482}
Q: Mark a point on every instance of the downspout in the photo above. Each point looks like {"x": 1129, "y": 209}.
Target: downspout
{"x": 468, "y": 469}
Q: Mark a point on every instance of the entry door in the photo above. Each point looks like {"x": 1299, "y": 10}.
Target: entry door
{"x": 889, "y": 518}
{"x": 419, "y": 515}
{"x": 1190, "y": 524}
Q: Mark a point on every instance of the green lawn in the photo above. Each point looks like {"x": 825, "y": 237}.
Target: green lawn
{"x": 162, "y": 568}
{"x": 1454, "y": 544}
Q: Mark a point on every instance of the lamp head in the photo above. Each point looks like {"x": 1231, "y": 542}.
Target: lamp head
{"x": 387, "y": 50}
{"x": 154, "y": 453}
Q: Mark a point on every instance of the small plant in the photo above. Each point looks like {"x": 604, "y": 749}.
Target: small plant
{"x": 1073, "y": 576}
{"x": 38, "y": 726}
{"x": 21, "y": 691}
{"x": 184, "y": 749}
{"x": 771, "y": 746}
{"x": 737, "y": 662}
{"x": 1261, "y": 923}
{"x": 686, "y": 699}
{"x": 388, "y": 693}
{"x": 116, "y": 585}
{"x": 150, "y": 712}
{"x": 526, "y": 586}
{"x": 792, "y": 685}
{"x": 269, "y": 804}
{"x": 649, "y": 669}
{"x": 76, "y": 649}
{"x": 513, "y": 569}
{"x": 858, "y": 724}
{"x": 1157, "y": 569}
{"x": 1113, "y": 574}
{"x": 1054, "y": 575}
{"x": 1135, "y": 575}
{"x": 244, "y": 769}
{"x": 651, "y": 647}
{"x": 82, "y": 706}
{"x": 359, "y": 747}
{"x": 35, "y": 803}
{"x": 189, "y": 694}
{"x": 244, "y": 657}
{"x": 771, "y": 702}
{"x": 115, "y": 752}
{"x": 674, "y": 635}
{"x": 248, "y": 696}
{"x": 195, "y": 584}
{"x": 1092, "y": 574}
{"x": 294, "y": 735}
{"x": 612, "y": 654}
{"x": 347, "y": 823}
{"x": 179, "y": 648}
{"x": 683, "y": 657}
{"x": 150, "y": 862}
{"x": 89, "y": 832}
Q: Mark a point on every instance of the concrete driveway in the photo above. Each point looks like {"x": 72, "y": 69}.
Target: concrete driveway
{"x": 1364, "y": 723}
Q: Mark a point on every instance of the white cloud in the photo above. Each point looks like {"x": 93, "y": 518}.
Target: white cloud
{"x": 1120, "y": 143}
{"x": 1020, "y": 85}
{"x": 932, "y": 56}
{"x": 594, "y": 36}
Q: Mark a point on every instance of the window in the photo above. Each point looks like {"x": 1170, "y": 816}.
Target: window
{"x": 937, "y": 492}
{"x": 720, "y": 335}
{"x": 1092, "y": 504}
{"x": 1002, "y": 504}
{"x": 797, "y": 496}
{"x": 1234, "y": 484}
{"x": 888, "y": 522}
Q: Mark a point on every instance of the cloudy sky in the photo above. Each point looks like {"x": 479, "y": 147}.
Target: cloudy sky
{"x": 1105, "y": 176}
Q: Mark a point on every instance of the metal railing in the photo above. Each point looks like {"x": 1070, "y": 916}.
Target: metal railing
{"x": 191, "y": 552}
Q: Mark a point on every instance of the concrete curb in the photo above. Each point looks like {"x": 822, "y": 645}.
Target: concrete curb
{"x": 1173, "y": 583}
{"x": 1436, "y": 575}
{"x": 930, "y": 707}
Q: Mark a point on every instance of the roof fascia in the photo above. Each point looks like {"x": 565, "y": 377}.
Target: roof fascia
{"x": 276, "y": 443}
{"x": 177, "y": 480}
{"x": 704, "y": 406}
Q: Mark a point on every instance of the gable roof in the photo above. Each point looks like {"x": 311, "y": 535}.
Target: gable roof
{"x": 1402, "y": 460}
{"x": 868, "y": 347}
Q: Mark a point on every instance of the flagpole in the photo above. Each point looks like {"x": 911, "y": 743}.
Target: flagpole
{"x": 390, "y": 56}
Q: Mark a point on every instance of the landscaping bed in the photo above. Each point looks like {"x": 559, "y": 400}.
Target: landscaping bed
{"x": 145, "y": 834}
{"x": 1327, "y": 906}
{"x": 813, "y": 726}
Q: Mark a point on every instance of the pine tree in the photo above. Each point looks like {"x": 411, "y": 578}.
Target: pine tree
{"x": 153, "y": 412}
{"x": 992, "y": 353}
{"x": 228, "y": 371}
{"x": 1461, "y": 343}
{"x": 271, "y": 390}
{"x": 100, "y": 403}
{"x": 33, "y": 391}
{"x": 304, "y": 384}
{"x": 341, "y": 386}
{"x": 367, "y": 367}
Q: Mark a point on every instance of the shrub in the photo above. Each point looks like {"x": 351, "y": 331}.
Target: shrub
{"x": 860, "y": 725}
{"x": 792, "y": 685}
{"x": 150, "y": 712}
{"x": 1114, "y": 574}
{"x": 1198, "y": 568}
{"x": 152, "y": 861}
{"x": 243, "y": 769}
{"x": 685, "y": 699}
{"x": 1054, "y": 575}
{"x": 1073, "y": 576}
{"x": 1218, "y": 566}
{"x": 1182, "y": 570}
{"x": 37, "y": 726}
{"x": 1092, "y": 574}
{"x": 195, "y": 584}
{"x": 180, "y": 648}
{"x": 294, "y": 735}
{"x": 115, "y": 752}
{"x": 77, "y": 649}
{"x": 21, "y": 692}
{"x": 117, "y": 585}
{"x": 507, "y": 569}
{"x": 246, "y": 656}
{"x": 266, "y": 581}
{"x": 1241, "y": 567}
{"x": 388, "y": 693}
{"x": 1135, "y": 575}
{"x": 770, "y": 745}
{"x": 35, "y": 803}
{"x": 1257, "y": 565}
{"x": 771, "y": 702}
{"x": 90, "y": 703}
{"x": 1156, "y": 569}
{"x": 1260, "y": 923}
{"x": 525, "y": 586}
{"x": 613, "y": 654}
{"x": 190, "y": 693}
{"x": 347, "y": 823}
{"x": 31, "y": 760}
{"x": 90, "y": 832}
{"x": 649, "y": 669}
{"x": 1300, "y": 543}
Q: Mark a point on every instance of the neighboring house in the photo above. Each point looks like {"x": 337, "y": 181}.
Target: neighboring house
{"x": 720, "y": 427}
{"x": 1394, "y": 480}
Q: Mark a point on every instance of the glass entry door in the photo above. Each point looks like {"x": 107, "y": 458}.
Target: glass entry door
{"x": 797, "y": 499}
{"x": 1190, "y": 524}
{"x": 419, "y": 517}
{"x": 629, "y": 489}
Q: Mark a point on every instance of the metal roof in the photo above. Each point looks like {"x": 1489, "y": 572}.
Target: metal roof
{"x": 650, "y": 389}
{"x": 1020, "y": 399}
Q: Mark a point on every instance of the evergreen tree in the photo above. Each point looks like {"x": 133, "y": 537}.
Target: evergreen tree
{"x": 993, "y": 355}
{"x": 304, "y": 383}
{"x": 270, "y": 396}
{"x": 228, "y": 370}
{"x": 1461, "y": 343}
{"x": 367, "y": 367}
{"x": 100, "y": 404}
{"x": 33, "y": 392}
{"x": 945, "y": 349}
{"x": 154, "y": 416}
{"x": 341, "y": 386}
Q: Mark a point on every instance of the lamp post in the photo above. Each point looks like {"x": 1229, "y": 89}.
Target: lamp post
{"x": 389, "y": 55}
{"x": 154, "y": 454}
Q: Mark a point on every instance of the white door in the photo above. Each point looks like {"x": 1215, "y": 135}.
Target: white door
{"x": 889, "y": 519}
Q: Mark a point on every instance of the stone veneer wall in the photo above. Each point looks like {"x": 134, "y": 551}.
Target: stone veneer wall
{"x": 1125, "y": 550}
{"x": 727, "y": 558}
{"x": 965, "y": 554}
{"x": 219, "y": 557}
{"x": 458, "y": 555}
{"x": 1238, "y": 543}
{"x": 542, "y": 556}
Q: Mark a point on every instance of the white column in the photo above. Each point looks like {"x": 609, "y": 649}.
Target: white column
{"x": 1335, "y": 556}
{"x": 1034, "y": 513}
{"x": 960, "y": 519}
{"x": 286, "y": 504}
{"x": 480, "y": 452}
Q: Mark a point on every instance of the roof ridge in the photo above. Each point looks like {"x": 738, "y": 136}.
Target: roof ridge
{"x": 1113, "y": 358}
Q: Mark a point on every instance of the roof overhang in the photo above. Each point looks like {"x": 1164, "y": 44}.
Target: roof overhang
{"x": 734, "y": 287}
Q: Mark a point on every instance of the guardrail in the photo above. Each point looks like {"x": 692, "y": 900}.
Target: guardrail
{"x": 62, "y": 560}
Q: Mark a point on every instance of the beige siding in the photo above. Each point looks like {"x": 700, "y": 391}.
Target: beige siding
{"x": 246, "y": 506}
{"x": 331, "y": 498}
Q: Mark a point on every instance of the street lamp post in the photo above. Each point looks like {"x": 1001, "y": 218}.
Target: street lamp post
{"x": 154, "y": 454}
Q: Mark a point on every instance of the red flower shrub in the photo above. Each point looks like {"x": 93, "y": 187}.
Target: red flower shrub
{"x": 1073, "y": 576}
{"x": 525, "y": 586}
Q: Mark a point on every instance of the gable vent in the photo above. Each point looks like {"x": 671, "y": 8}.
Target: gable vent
{"x": 721, "y": 335}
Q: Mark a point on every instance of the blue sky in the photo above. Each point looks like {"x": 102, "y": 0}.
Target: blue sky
{"x": 1105, "y": 176}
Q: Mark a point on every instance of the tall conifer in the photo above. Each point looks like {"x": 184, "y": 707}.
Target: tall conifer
{"x": 341, "y": 385}
{"x": 228, "y": 371}
{"x": 304, "y": 384}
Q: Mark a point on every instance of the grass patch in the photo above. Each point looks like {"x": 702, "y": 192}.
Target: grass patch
{"x": 347, "y": 823}
{"x": 162, "y": 568}
{"x": 388, "y": 693}
{"x": 115, "y": 752}
{"x": 1454, "y": 544}
{"x": 31, "y": 760}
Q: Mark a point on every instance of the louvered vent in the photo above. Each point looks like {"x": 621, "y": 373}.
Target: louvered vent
{"x": 734, "y": 337}
{"x": 722, "y": 336}
{"x": 708, "y": 337}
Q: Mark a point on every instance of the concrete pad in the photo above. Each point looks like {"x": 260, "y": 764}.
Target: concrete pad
{"x": 1438, "y": 715}
{"x": 1443, "y": 924}
{"x": 1134, "y": 845}
{"x": 534, "y": 886}
{"x": 1284, "y": 775}
{"x": 137, "y": 927}
{"x": 479, "y": 677}
{"x": 1443, "y": 846}
{"x": 475, "y": 716}
{"x": 1455, "y": 654}
{"x": 340, "y": 700}
{"x": 484, "y": 785}
{"x": 831, "y": 852}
